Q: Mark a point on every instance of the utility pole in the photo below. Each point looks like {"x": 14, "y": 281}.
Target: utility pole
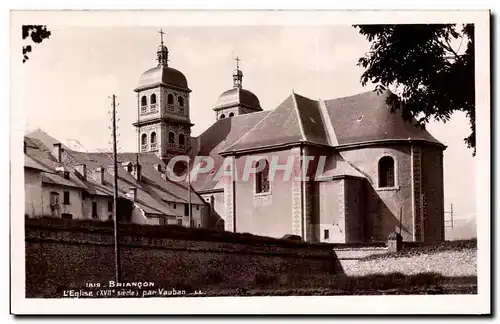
{"x": 115, "y": 196}
{"x": 450, "y": 221}
{"x": 189, "y": 193}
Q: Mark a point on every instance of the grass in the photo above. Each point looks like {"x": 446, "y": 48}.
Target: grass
{"x": 411, "y": 249}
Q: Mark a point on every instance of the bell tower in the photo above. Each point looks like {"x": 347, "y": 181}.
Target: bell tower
{"x": 163, "y": 112}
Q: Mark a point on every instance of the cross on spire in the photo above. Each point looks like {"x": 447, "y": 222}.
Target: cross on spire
{"x": 161, "y": 32}
{"x": 237, "y": 59}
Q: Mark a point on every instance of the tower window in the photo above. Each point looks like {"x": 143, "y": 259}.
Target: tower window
{"x": 144, "y": 142}
{"x": 222, "y": 116}
{"x": 262, "y": 178}
{"x": 153, "y": 99}
{"x": 144, "y": 101}
{"x": 386, "y": 172}
{"x": 153, "y": 140}
{"x": 170, "y": 99}
{"x": 181, "y": 139}
{"x": 180, "y": 100}
{"x": 171, "y": 137}
{"x": 231, "y": 114}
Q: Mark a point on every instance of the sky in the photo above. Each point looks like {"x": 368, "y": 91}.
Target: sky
{"x": 70, "y": 77}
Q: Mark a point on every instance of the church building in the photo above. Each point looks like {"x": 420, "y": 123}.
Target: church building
{"x": 379, "y": 173}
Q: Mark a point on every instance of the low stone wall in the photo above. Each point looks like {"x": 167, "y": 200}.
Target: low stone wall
{"x": 62, "y": 257}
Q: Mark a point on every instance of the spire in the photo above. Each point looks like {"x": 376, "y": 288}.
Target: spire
{"x": 162, "y": 53}
{"x": 237, "y": 74}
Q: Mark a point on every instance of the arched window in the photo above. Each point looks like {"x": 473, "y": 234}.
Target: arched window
{"x": 171, "y": 137}
{"x": 231, "y": 114}
{"x": 181, "y": 139}
{"x": 153, "y": 138}
{"x": 222, "y": 116}
{"x": 144, "y": 101}
{"x": 262, "y": 177}
{"x": 144, "y": 139}
{"x": 386, "y": 172}
{"x": 153, "y": 99}
{"x": 180, "y": 100}
{"x": 170, "y": 99}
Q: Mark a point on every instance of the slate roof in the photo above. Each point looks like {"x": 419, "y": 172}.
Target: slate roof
{"x": 365, "y": 117}
{"x": 154, "y": 193}
{"x": 218, "y": 137}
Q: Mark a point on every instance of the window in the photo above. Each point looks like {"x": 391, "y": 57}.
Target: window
{"x": 386, "y": 172}
{"x": 186, "y": 210}
{"x": 262, "y": 178}
{"x": 144, "y": 139}
{"x": 179, "y": 221}
{"x": 170, "y": 99}
{"x": 197, "y": 207}
{"x": 175, "y": 206}
{"x": 66, "y": 198}
{"x": 144, "y": 101}
{"x": 181, "y": 139}
{"x": 94, "y": 209}
{"x": 54, "y": 198}
{"x": 231, "y": 114}
{"x": 171, "y": 137}
{"x": 66, "y": 175}
{"x": 153, "y": 99}
{"x": 110, "y": 205}
{"x": 327, "y": 234}
{"x": 222, "y": 116}
{"x": 180, "y": 100}
{"x": 153, "y": 138}
{"x": 66, "y": 216}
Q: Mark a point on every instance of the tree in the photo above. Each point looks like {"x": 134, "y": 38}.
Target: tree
{"x": 37, "y": 33}
{"x": 430, "y": 66}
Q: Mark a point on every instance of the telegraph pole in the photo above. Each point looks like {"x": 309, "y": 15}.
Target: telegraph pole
{"x": 189, "y": 193}
{"x": 115, "y": 196}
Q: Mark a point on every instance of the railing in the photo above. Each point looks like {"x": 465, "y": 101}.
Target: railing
{"x": 144, "y": 148}
{"x": 176, "y": 147}
{"x": 154, "y": 108}
{"x": 170, "y": 107}
{"x": 181, "y": 110}
{"x": 154, "y": 146}
{"x": 144, "y": 109}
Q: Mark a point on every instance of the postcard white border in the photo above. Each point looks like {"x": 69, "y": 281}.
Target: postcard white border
{"x": 454, "y": 304}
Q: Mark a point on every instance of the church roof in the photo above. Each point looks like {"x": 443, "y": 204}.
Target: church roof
{"x": 162, "y": 75}
{"x": 238, "y": 97}
{"x": 219, "y": 136}
{"x": 365, "y": 118}
{"x": 297, "y": 119}
{"x": 360, "y": 119}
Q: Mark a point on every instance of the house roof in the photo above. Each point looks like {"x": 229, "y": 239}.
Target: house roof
{"x": 154, "y": 192}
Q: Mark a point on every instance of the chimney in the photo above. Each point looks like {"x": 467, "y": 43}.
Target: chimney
{"x": 56, "y": 151}
{"x": 100, "y": 175}
{"x": 132, "y": 193}
{"x": 82, "y": 169}
{"x": 136, "y": 172}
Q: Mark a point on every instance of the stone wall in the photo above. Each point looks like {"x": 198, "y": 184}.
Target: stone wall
{"x": 63, "y": 255}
